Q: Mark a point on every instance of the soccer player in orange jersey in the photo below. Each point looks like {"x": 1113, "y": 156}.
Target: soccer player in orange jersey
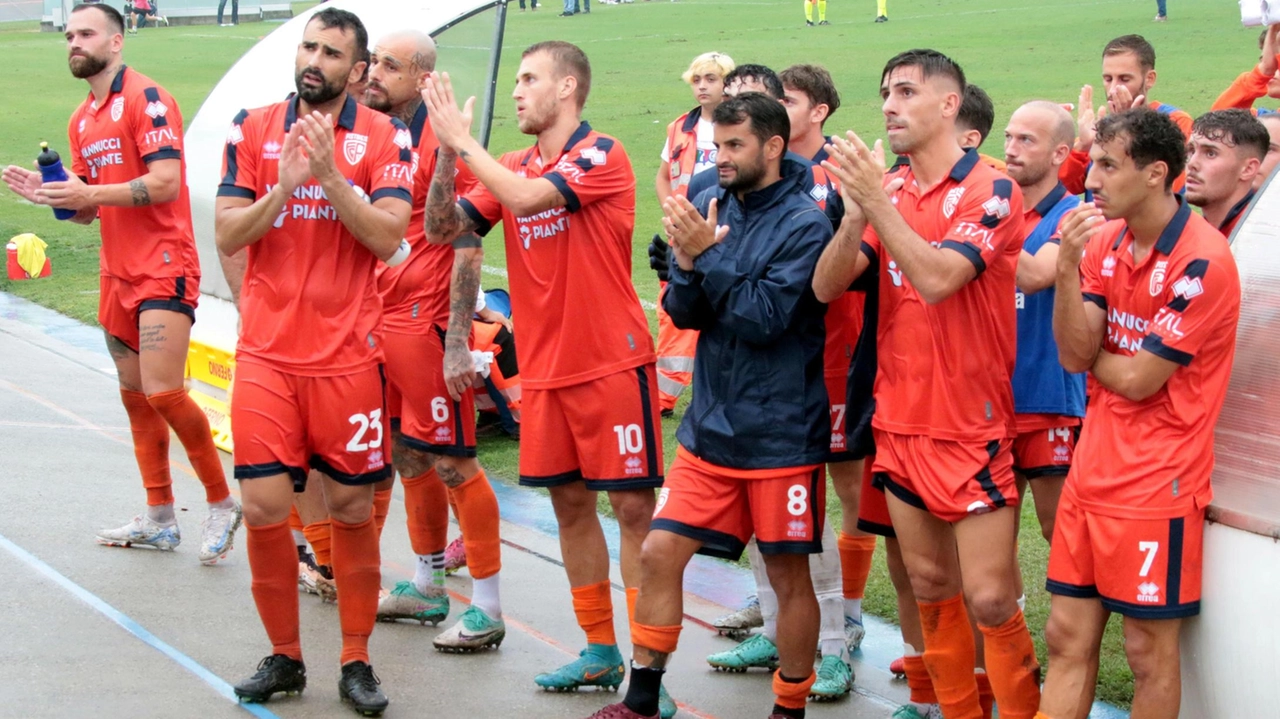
{"x": 317, "y": 189}
{"x": 129, "y": 172}
{"x": 946, "y": 243}
{"x": 1148, "y": 302}
{"x": 1128, "y": 76}
{"x": 1223, "y": 157}
{"x": 590, "y": 418}
{"x": 428, "y": 303}
{"x": 1262, "y": 80}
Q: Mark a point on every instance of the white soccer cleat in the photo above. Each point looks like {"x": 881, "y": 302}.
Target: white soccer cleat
{"x": 142, "y": 532}
{"x": 218, "y": 533}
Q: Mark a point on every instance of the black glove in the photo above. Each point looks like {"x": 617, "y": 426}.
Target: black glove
{"x": 660, "y": 258}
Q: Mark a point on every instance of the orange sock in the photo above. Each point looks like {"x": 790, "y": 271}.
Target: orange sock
{"x": 356, "y": 564}
{"x": 320, "y": 537}
{"x": 855, "y": 562}
{"x": 949, "y": 654}
{"x": 593, "y": 606}
{"x": 632, "y": 594}
{"x": 150, "y": 446}
{"x": 1012, "y": 668}
{"x": 273, "y": 563}
{"x": 381, "y": 506}
{"x": 918, "y": 680}
{"x": 791, "y": 694}
{"x": 192, "y": 427}
{"x": 295, "y": 520}
{"x": 658, "y": 639}
{"x": 426, "y": 501}
{"x": 1042, "y": 715}
{"x": 986, "y": 699}
{"x": 477, "y": 508}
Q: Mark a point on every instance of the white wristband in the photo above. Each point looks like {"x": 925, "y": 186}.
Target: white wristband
{"x": 402, "y": 254}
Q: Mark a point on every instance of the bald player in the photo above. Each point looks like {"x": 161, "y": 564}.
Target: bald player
{"x": 1224, "y": 156}
{"x": 428, "y": 302}
{"x": 1048, "y": 401}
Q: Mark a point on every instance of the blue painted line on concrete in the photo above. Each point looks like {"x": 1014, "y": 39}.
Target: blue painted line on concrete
{"x": 713, "y": 580}
{"x": 131, "y": 626}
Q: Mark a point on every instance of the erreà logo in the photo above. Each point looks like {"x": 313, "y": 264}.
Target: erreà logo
{"x": 595, "y": 155}
{"x": 997, "y": 206}
{"x": 156, "y": 109}
{"x": 1148, "y": 593}
{"x": 353, "y": 148}
{"x": 235, "y": 135}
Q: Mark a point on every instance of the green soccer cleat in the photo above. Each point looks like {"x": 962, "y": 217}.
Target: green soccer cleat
{"x": 599, "y": 665}
{"x": 666, "y": 705}
{"x": 474, "y": 631}
{"x": 835, "y": 680}
{"x": 907, "y": 711}
{"x": 758, "y": 651}
{"x": 406, "y": 602}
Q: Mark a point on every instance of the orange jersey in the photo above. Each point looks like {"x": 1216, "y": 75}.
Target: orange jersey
{"x": 137, "y": 124}
{"x": 945, "y": 369}
{"x": 1243, "y": 91}
{"x": 570, "y": 266}
{"x": 1181, "y": 302}
{"x": 1074, "y": 171}
{"x": 310, "y": 303}
{"x": 415, "y": 293}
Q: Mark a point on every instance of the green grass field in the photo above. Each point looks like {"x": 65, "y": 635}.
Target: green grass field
{"x": 1017, "y": 50}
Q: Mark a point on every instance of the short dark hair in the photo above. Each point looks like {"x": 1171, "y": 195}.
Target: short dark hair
{"x": 768, "y": 117}
{"x": 1135, "y": 44}
{"x": 931, "y": 63}
{"x": 344, "y": 20}
{"x": 977, "y": 112}
{"x": 114, "y": 18}
{"x": 760, "y": 74}
{"x": 1152, "y": 137}
{"x": 569, "y": 61}
{"x": 1234, "y": 128}
{"x": 814, "y": 81}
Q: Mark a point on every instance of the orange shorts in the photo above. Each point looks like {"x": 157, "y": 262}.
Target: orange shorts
{"x": 873, "y": 508}
{"x": 286, "y": 423}
{"x": 723, "y": 508}
{"x": 121, "y": 301}
{"x": 950, "y": 480}
{"x": 419, "y": 403}
{"x": 836, "y": 385}
{"x": 605, "y": 432}
{"x": 1141, "y": 568}
{"x": 1046, "y": 447}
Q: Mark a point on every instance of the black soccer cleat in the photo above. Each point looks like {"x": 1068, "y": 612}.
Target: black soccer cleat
{"x": 276, "y": 673}
{"x": 881, "y": 18}
{"x": 359, "y": 685}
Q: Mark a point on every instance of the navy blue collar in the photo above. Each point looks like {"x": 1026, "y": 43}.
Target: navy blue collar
{"x": 691, "y": 119}
{"x": 1172, "y": 231}
{"x": 346, "y": 118}
{"x": 964, "y": 165}
{"x": 580, "y": 134}
{"x": 1051, "y": 200}
{"x": 418, "y": 123}
{"x": 1236, "y": 209}
{"x": 822, "y": 152}
{"x": 117, "y": 85}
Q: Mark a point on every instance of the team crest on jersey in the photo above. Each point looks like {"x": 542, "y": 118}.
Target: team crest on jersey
{"x": 997, "y": 206}
{"x": 1157, "y": 278}
{"x": 81, "y": 124}
{"x": 117, "y": 109}
{"x": 271, "y": 150}
{"x": 156, "y": 109}
{"x": 353, "y": 148}
{"x": 952, "y": 201}
{"x": 234, "y": 135}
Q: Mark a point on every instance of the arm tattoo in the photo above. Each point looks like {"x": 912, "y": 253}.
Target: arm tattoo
{"x": 141, "y": 196}
{"x": 441, "y": 215}
{"x": 463, "y": 289}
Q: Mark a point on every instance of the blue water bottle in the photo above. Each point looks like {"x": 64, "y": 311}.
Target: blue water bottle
{"x": 51, "y": 170}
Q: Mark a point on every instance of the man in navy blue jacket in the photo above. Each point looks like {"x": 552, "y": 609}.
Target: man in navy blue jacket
{"x": 754, "y": 439}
